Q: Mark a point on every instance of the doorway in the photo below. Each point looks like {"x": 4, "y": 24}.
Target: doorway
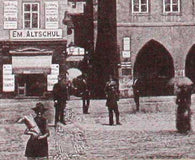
{"x": 31, "y": 84}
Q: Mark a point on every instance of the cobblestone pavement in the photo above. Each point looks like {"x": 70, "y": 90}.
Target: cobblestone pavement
{"x": 148, "y": 134}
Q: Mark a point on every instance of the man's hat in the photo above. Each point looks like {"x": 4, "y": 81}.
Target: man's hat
{"x": 39, "y": 108}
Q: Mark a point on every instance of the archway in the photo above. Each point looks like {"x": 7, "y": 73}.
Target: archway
{"x": 154, "y": 68}
{"x": 190, "y": 64}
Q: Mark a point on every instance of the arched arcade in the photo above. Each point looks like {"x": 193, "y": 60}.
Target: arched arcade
{"x": 153, "y": 68}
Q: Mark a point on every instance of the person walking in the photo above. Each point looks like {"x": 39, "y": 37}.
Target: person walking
{"x": 37, "y": 145}
{"x": 112, "y": 96}
{"x": 60, "y": 98}
{"x": 85, "y": 93}
{"x": 183, "y": 117}
{"x": 136, "y": 94}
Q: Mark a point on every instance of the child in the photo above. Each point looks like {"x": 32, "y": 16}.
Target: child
{"x": 37, "y": 145}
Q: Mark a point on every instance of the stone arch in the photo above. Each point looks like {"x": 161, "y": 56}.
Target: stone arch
{"x": 153, "y": 68}
{"x": 190, "y": 64}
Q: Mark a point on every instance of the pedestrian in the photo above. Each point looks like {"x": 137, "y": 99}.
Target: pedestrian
{"x": 136, "y": 94}
{"x": 85, "y": 93}
{"x": 112, "y": 96}
{"x": 37, "y": 145}
{"x": 60, "y": 98}
{"x": 183, "y": 116}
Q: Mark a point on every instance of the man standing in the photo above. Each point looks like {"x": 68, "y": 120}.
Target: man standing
{"x": 60, "y": 97}
{"x": 86, "y": 99}
{"x": 136, "y": 95}
{"x": 112, "y": 95}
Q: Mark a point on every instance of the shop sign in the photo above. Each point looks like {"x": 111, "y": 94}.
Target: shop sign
{"x": 51, "y": 15}
{"x": 126, "y": 43}
{"x": 55, "y": 69}
{"x": 7, "y": 69}
{"x": 75, "y": 51}
{"x": 36, "y": 34}
{"x": 126, "y": 54}
{"x": 51, "y": 80}
{"x": 8, "y": 83}
{"x": 10, "y": 14}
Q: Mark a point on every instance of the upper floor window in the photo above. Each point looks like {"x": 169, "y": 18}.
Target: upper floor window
{"x": 30, "y": 15}
{"x": 171, "y": 6}
{"x": 139, "y": 6}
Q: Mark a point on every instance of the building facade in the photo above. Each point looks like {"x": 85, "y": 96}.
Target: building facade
{"x": 33, "y": 44}
{"x": 156, "y": 42}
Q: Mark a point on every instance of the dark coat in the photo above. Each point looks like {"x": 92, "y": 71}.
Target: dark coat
{"x": 183, "y": 111}
{"x": 60, "y": 92}
{"x": 112, "y": 94}
{"x": 35, "y": 147}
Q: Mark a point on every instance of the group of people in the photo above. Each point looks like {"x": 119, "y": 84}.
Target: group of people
{"x": 60, "y": 97}
{"x": 37, "y": 145}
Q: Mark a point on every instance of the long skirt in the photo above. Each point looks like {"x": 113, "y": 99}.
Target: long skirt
{"x": 183, "y": 118}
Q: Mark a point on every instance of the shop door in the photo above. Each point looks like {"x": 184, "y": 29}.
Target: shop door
{"x": 33, "y": 84}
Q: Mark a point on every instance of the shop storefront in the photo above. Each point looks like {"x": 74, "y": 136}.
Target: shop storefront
{"x": 31, "y": 69}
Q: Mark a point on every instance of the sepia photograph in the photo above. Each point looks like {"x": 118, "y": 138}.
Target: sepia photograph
{"x": 97, "y": 79}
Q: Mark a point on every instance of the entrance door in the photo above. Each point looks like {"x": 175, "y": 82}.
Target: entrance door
{"x": 33, "y": 84}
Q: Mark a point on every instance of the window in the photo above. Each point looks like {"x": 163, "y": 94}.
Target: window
{"x": 30, "y": 15}
{"x": 140, "y": 6}
{"x": 171, "y": 6}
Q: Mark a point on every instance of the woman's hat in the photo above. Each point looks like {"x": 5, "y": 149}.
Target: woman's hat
{"x": 39, "y": 108}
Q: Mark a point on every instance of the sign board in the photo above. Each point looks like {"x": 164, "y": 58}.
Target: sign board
{"x": 75, "y": 51}
{"x": 74, "y": 58}
{"x": 10, "y": 14}
{"x": 55, "y": 69}
{"x": 126, "y": 54}
{"x": 180, "y": 73}
{"x": 76, "y": 7}
{"x": 35, "y": 34}
{"x": 126, "y": 44}
{"x": 51, "y": 80}
{"x": 51, "y": 15}
{"x": 8, "y": 83}
{"x": 7, "y": 69}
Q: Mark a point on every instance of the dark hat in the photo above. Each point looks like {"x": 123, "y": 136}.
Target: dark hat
{"x": 39, "y": 108}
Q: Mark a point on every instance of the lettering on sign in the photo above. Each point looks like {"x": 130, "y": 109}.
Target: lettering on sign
{"x": 55, "y": 69}
{"x": 7, "y": 69}
{"x": 51, "y": 80}
{"x": 8, "y": 83}
{"x": 126, "y": 54}
{"x": 36, "y": 34}
{"x": 10, "y": 14}
{"x": 75, "y": 51}
{"x": 126, "y": 43}
{"x": 51, "y": 15}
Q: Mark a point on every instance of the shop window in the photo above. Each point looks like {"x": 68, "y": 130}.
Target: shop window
{"x": 140, "y": 6}
{"x": 126, "y": 72}
{"x": 171, "y": 6}
{"x": 30, "y": 15}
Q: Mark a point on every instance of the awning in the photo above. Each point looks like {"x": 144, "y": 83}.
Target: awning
{"x": 32, "y": 64}
{"x": 74, "y": 58}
